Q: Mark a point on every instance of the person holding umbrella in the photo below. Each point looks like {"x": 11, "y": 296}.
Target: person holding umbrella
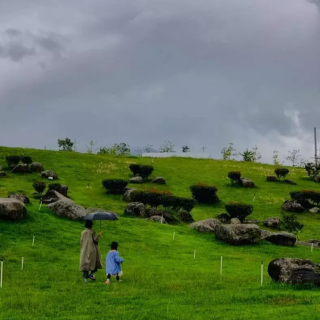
{"x": 89, "y": 256}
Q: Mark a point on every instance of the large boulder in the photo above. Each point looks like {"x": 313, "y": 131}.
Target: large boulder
{"x": 127, "y": 194}
{"x": 238, "y": 234}
{"x": 282, "y": 238}
{"x": 136, "y": 180}
{"x": 19, "y": 197}
{"x": 247, "y": 183}
{"x": 208, "y": 225}
{"x": 265, "y": 234}
{"x": 294, "y": 271}
{"x": 49, "y": 174}
{"x": 135, "y": 209}
{"x": 224, "y": 217}
{"x": 272, "y": 223}
{"x": 52, "y": 196}
{"x": 3, "y": 174}
{"x": 157, "y": 219}
{"x": 68, "y": 209}
{"x": 36, "y": 167}
{"x": 185, "y": 216}
{"x": 292, "y": 206}
{"x": 21, "y": 168}
{"x": 154, "y": 212}
{"x": 12, "y": 209}
{"x": 159, "y": 180}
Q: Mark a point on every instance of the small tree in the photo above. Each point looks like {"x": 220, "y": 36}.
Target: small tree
{"x": 149, "y": 149}
{"x": 291, "y": 223}
{"x": 167, "y": 146}
{"x": 115, "y": 186}
{"x": 281, "y": 172}
{"x": 185, "y": 149}
{"x": 229, "y": 153}
{"x": 123, "y": 149}
{"x": 251, "y": 155}
{"x": 26, "y": 160}
{"x": 312, "y": 169}
{"x": 112, "y": 151}
{"x": 66, "y": 144}
{"x": 39, "y": 186}
{"x": 90, "y": 147}
{"x": 13, "y": 161}
{"x": 294, "y": 157}
{"x": 276, "y": 159}
{"x": 238, "y": 210}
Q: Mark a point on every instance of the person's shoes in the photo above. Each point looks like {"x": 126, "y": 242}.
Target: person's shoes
{"x": 92, "y": 278}
{"x": 107, "y": 282}
{"x": 85, "y": 280}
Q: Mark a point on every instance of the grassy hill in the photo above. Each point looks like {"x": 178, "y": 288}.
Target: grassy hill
{"x": 161, "y": 278}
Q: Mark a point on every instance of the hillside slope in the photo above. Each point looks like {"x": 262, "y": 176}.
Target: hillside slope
{"x": 162, "y": 280}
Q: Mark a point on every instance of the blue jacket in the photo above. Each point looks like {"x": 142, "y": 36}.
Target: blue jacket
{"x": 113, "y": 262}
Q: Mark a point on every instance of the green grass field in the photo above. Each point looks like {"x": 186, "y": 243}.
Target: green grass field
{"x": 161, "y": 278}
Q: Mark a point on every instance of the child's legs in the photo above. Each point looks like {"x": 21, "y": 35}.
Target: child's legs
{"x": 109, "y": 277}
{"x": 117, "y": 277}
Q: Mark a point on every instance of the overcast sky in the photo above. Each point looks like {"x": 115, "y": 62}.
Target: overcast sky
{"x": 197, "y": 73}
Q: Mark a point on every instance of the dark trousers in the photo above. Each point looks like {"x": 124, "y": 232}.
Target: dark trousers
{"x": 86, "y": 273}
{"x": 117, "y": 277}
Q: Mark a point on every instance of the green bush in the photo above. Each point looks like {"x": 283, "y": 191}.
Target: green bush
{"x": 306, "y": 195}
{"x": 281, "y": 172}
{"x": 234, "y": 176}
{"x": 55, "y": 186}
{"x": 312, "y": 169}
{"x": 290, "y": 223}
{"x": 155, "y": 198}
{"x": 238, "y": 210}
{"x": 26, "y": 160}
{"x": 39, "y": 186}
{"x": 13, "y": 161}
{"x": 115, "y": 186}
{"x": 204, "y": 194}
{"x": 141, "y": 170}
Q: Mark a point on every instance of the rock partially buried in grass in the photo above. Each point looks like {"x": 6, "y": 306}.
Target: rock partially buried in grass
{"x": 247, "y": 183}
{"x": 3, "y": 174}
{"x": 52, "y": 196}
{"x": 158, "y": 219}
{"x": 273, "y": 223}
{"x": 238, "y": 234}
{"x": 159, "y": 180}
{"x": 136, "y": 209}
{"x": 136, "y": 180}
{"x": 282, "y": 238}
{"x": 287, "y": 181}
{"x": 294, "y": 271}
{"x": 21, "y": 168}
{"x": 49, "y": 174}
{"x": 19, "y": 197}
{"x": 12, "y": 209}
{"x": 36, "y": 167}
{"x": 68, "y": 209}
{"x": 314, "y": 210}
{"x": 185, "y": 216}
{"x": 207, "y": 226}
{"x": 161, "y": 213}
{"x": 272, "y": 179}
{"x": 292, "y": 206}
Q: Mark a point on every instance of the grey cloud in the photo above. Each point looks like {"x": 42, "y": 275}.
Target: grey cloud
{"x": 49, "y": 43}
{"x": 16, "y": 52}
{"x": 13, "y": 32}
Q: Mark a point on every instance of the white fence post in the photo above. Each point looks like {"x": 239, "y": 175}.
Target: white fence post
{"x": 261, "y": 272}
{"x": 221, "y": 265}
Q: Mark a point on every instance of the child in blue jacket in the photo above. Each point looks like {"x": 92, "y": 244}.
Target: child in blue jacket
{"x": 113, "y": 263}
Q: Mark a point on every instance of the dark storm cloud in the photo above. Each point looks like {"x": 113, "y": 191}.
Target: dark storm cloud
{"x": 201, "y": 73}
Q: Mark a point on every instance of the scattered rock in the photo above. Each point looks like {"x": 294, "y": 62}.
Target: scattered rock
{"x": 12, "y": 209}
{"x": 19, "y": 197}
{"x": 238, "y": 234}
{"x": 68, "y": 209}
{"x": 314, "y": 210}
{"x": 224, "y": 217}
{"x": 159, "y": 180}
{"x": 294, "y": 271}
{"x": 36, "y": 167}
{"x": 49, "y": 174}
{"x": 290, "y": 182}
{"x": 292, "y": 206}
{"x": 265, "y": 234}
{"x": 272, "y": 179}
{"x": 135, "y": 209}
{"x": 273, "y": 223}
{"x": 3, "y": 174}
{"x": 52, "y": 196}
{"x": 282, "y": 238}
{"x": 136, "y": 180}
{"x": 127, "y": 194}
{"x": 185, "y": 216}
{"x": 235, "y": 221}
{"x": 251, "y": 221}
{"x": 64, "y": 190}
{"x": 154, "y": 212}
{"x": 247, "y": 183}
{"x": 21, "y": 168}
{"x": 157, "y": 219}
{"x": 208, "y": 225}
{"x": 316, "y": 243}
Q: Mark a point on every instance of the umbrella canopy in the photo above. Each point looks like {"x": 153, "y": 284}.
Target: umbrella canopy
{"x": 101, "y": 216}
